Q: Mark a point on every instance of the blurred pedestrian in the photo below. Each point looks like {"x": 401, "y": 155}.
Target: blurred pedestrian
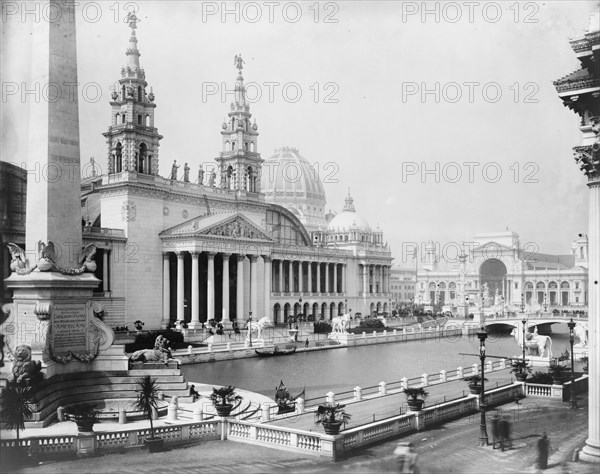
{"x": 543, "y": 448}
{"x": 504, "y": 429}
{"x": 306, "y": 343}
{"x": 406, "y": 457}
{"x": 496, "y": 430}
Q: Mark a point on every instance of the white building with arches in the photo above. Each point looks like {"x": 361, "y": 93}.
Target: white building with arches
{"x": 507, "y": 275}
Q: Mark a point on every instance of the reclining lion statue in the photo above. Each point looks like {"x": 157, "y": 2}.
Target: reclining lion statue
{"x": 160, "y": 353}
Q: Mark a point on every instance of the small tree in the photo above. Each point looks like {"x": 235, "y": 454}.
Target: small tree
{"x": 147, "y": 398}
{"x": 224, "y": 396}
{"x": 18, "y": 406}
{"x": 331, "y": 413}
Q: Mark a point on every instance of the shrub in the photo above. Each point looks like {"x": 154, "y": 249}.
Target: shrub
{"x": 321, "y": 327}
{"x": 147, "y": 340}
{"x": 541, "y": 378}
{"x": 372, "y": 324}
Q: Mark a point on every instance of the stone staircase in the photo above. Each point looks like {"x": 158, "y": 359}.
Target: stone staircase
{"x": 100, "y": 387}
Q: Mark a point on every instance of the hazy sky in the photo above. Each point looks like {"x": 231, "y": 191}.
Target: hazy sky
{"x": 347, "y": 82}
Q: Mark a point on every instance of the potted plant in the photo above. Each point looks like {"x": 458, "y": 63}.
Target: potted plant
{"x": 147, "y": 402}
{"x": 584, "y": 361}
{"x": 85, "y": 415}
{"x": 415, "y": 397}
{"x": 332, "y": 416}
{"x": 474, "y": 382}
{"x": 18, "y": 408}
{"x": 520, "y": 368}
{"x": 223, "y": 399}
{"x": 559, "y": 373}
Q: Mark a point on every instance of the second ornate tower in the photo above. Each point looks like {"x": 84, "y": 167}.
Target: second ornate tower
{"x": 239, "y": 162}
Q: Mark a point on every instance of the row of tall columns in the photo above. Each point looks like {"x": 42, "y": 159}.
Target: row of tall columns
{"x": 210, "y": 293}
{"x": 380, "y": 273}
{"x": 297, "y": 268}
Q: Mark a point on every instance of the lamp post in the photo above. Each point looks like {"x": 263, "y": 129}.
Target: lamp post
{"x": 250, "y": 329}
{"x": 300, "y": 309}
{"x": 523, "y": 322}
{"x": 545, "y": 302}
{"x": 522, "y": 303}
{"x": 483, "y": 437}
{"x": 1, "y": 350}
{"x": 571, "y": 325}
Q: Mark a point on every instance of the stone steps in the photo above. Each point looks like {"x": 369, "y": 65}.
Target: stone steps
{"x": 96, "y": 387}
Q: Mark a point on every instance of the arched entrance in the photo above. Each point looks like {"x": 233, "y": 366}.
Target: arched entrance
{"x": 332, "y": 311}
{"x": 276, "y": 313}
{"x": 372, "y": 308}
{"x": 305, "y": 310}
{"x": 493, "y": 272}
{"x": 286, "y": 312}
{"x": 378, "y": 307}
{"x": 341, "y": 308}
{"x": 323, "y": 310}
{"x": 315, "y": 311}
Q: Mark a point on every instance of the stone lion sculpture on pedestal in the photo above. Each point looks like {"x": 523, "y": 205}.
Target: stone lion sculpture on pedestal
{"x": 160, "y": 353}
{"x": 26, "y": 371}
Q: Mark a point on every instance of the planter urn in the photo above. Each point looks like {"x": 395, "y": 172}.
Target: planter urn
{"x": 332, "y": 427}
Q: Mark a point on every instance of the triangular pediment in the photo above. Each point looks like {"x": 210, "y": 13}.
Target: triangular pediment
{"x": 228, "y": 225}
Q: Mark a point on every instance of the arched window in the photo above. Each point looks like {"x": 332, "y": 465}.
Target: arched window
{"x": 142, "y": 159}
{"x": 232, "y": 146}
{"x": 118, "y": 158}
{"x": 139, "y": 119}
{"x": 140, "y": 94}
{"x": 123, "y": 120}
{"x": 228, "y": 177}
{"x": 123, "y": 96}
{"x": 116, "y": 119}
{"x": 147, "y": 120}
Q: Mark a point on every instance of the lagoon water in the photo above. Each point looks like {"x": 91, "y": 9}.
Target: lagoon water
{"x": 343, "y": 369}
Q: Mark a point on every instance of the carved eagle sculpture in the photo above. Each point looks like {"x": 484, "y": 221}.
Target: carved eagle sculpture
{"x": 47, "y": 251}
{"x": 87, "y": 257}
{"x": 18, "y": 261}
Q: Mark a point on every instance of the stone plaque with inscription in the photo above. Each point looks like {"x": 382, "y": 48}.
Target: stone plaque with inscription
{"x": 70, "y": 331}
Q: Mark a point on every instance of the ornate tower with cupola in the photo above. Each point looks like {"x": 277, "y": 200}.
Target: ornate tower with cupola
{"x": 239, "y": 162}
{"x": 132, "y": 138}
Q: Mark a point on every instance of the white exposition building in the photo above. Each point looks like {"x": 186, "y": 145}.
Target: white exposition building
{"x": 509, "y": 272}
{"x": 219, "y": 245}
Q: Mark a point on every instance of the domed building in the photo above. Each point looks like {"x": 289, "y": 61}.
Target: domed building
{"x": 246, "y": 237}
{"x": 289, "y": 180}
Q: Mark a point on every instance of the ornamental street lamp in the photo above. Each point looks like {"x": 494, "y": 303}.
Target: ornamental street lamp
{"x": 250, "y": 329}
{"x": 545, "y": 302}
{"x": 571, "y": 325}
{"x": 483, "y": 437}
{"x": 523, "y": 322}
{"x": 522, "y": 303}
{"x": 1, "y": 350}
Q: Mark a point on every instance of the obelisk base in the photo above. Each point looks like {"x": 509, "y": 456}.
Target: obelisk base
{"x": 53, "y": 314}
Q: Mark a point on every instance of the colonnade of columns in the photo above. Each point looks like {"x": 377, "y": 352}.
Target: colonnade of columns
{"x": 246, "y": 283}
{"x": 304, "y": 277}
{"x": 375, "y": 278}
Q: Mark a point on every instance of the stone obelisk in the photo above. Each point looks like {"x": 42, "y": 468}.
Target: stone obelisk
{"x": 53, "y": 281}
{"x": 53, "y": 185}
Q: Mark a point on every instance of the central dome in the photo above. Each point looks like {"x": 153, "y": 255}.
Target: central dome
{"x": 288, "y": 173}
{"x": 288, "y": 179}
